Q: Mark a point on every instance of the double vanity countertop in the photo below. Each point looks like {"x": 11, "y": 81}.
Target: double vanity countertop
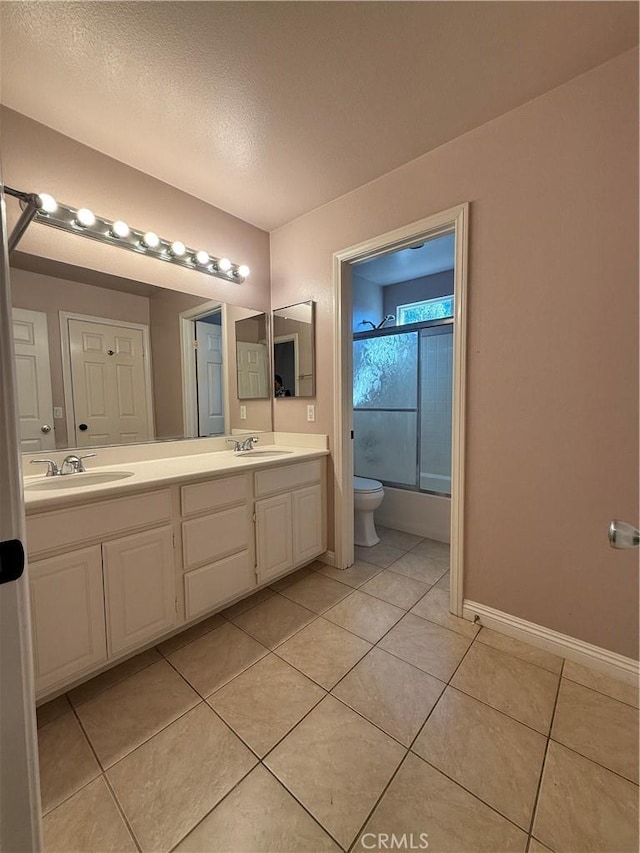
{"x": 41, "y": 493}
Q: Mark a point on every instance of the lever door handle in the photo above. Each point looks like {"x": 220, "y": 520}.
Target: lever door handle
{"x": 623, "y": 535}
{"x": 11, "y": 560}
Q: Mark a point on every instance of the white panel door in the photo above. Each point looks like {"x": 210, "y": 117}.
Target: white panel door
{"x": 252, "y": 370}
{"x": 108, "y": 379}
{"x": 67, "y": 613}
{"x": 209, "y": 362}
{"x": 308, "y": 524}
{"x": 274, "y": 546}
{"x": 33, "y": 375}
{"x": 140, "y": 588}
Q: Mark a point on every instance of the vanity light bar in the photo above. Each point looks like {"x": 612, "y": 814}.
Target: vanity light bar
{"x": 85, "y": 223}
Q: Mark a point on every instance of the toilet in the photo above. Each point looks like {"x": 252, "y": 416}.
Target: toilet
{"x": 367, "y": 497}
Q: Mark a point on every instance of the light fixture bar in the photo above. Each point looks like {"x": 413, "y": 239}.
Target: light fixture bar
{"x": 85, "y": 223}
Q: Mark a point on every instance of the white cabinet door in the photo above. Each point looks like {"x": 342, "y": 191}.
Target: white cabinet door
{"x": 308, "y": 527}
{"x": 67, "y": 612}
{"x": 140, "y": 588}
{"x": 274, "y": 545}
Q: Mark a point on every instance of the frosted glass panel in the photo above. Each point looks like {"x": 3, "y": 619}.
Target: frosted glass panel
{"x": 386, "y": 446}
{"x": 436, "y": 384}
{"x": 429, "y": 309}
{"x": 385, "y": 372}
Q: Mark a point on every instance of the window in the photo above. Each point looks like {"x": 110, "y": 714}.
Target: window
{"x": 428, "y": 309}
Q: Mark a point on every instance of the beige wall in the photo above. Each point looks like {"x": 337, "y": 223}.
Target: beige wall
{"x": 38, "y": 159}
{"x": 52, "y": 295}
{"x": 552, "y": 413}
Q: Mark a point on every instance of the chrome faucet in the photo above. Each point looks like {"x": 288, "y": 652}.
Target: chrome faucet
{"x": 52, "y": 470}
{"x": 247, "y": 444}
{"x": 73, "y": 464}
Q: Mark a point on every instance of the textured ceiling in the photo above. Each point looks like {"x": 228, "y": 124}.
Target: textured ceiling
{"x": 268, "y": 110}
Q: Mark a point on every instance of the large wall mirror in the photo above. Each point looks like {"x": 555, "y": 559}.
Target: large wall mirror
{"x": 294, "y": 350}
{"x": 103, "y": 360}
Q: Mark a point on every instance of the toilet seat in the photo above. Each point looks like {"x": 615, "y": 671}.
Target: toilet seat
{"x": 362, "y": 484}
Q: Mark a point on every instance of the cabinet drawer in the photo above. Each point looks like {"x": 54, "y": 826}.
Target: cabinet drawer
{"x": 213, "y": 536}
{"x": 210, "y": 586}
{"x": 78, "y": 524}
{"x": 214, "y": 494}
{"x": 287, "y": 477}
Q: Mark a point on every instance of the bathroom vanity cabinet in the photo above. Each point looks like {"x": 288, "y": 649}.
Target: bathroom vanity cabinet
{"x": 109, "y": 577}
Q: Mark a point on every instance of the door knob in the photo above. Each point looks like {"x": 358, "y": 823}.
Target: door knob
{"x": 623, "y": 535}
{"x": 46, "y": 428}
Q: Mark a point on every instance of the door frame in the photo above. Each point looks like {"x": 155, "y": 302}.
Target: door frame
{"x": 67, "y": 382}
{"x": 283, "y": 339}
{"x": 189, "y": 378}
{"x": 454, "y": 219}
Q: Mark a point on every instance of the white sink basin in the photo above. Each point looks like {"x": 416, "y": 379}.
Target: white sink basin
{"x": 73, "y": 481}
{"x": 263, "y": 452}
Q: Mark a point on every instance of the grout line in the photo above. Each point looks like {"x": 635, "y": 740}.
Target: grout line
{"x": 115, "y": 683}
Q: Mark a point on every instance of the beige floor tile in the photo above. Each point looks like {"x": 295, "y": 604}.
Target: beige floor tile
{"x": 89, "y": 822}
{"x": 433, "y": 548}
{"x": 287, "y": 580}
{"x": 66, "y": 760}
{"x": 259, "y": 816}
{"x": 173, "y": 780}
{"x": 265, "y": 702}
{"x": 435, "y": 607}
{"x": 428, "y": 646}
{"x": 379, "y": 555}
{"x": 113, "y": 676}
{"x": 337, "y": 765}
{"x": 420, "y": 567}
{"x": 602, "y": 683}
{"x": 536, "y": 847}
{"x": 216, "y": 658}
{"x": 521, "y": 650}
{"x": 520, "y": 689}
{"x": 493, "y": 756}
{"x": 247, "y": 603}
{"x": 50, "y": 711}
{"x": 129, "y": 713}
{"x": 444, "y": 582}
{"x": 396, "y": 589}
{"x": 317, "y": 592}
{"x": 584, "y": 807}
{"x": 274, "y": 621}
{"x": 368, "y": 617}
{"x": 394, "y": 695}
{"x": 354, "y": 576}
{"x": 597, "y": 727}
{"x": 324, "y": 652}
{"x": 398, "y": 538}
{"x": 420, "y": 800}
{"x": 190, "y": 634}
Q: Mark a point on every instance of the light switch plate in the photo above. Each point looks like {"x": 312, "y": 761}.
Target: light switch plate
{"x": 57, "y": 412}
{"x": 243, "y": 413}
{"x": 311, "y": 413}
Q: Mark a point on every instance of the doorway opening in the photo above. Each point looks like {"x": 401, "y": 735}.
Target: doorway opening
{"x": 398, "y": 370}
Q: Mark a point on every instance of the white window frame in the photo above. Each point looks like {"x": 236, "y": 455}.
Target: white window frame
{"x": 399, "y": 308}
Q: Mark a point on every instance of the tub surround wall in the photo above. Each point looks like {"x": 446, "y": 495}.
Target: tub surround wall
{"x": 414, "y": 512}
{"x": 552, "y": 415}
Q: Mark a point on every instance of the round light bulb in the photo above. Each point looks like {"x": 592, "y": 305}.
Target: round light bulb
{"x": 151, "y": 240}
{"x": 224, "y": 264}
{"x": 120, "y": 229}
{"x": 48, "y": 202}
{"x": 85, "y": 217}
{"x": 202, "y": 257}
{"x": 243, "y": 271}
{"x": 177, "y": 249}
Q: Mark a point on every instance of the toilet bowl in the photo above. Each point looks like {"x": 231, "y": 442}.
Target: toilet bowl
{"x": 367, "y": 497}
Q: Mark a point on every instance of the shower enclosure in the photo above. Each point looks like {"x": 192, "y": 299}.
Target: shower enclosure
{"x": 402, "y": 400}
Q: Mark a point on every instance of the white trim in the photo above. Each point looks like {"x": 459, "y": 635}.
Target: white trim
{"x": 455, "y": 219}
{"x": 67, "y": 383}
{"x": 611, "y": 664}
{"x": 328, "y": 558}
{"x": 281, "y": 339}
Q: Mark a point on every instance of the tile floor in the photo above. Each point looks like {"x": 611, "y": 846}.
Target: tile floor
{"x": 335, "y": 709}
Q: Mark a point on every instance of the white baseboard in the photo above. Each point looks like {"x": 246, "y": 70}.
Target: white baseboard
{"x": 611, "y": 664}
{"x": 328, "y": 557}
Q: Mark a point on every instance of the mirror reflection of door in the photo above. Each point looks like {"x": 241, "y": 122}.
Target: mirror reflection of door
{"x": 252, "y": 370}
{"x": 109, "y": 383}
{"x": 33, "y": 374}
{"x": 209, "y": 373}
{"x": 285, "y": 360}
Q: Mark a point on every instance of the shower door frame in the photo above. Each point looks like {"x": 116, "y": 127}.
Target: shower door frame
{"x": 454, "y": 220}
